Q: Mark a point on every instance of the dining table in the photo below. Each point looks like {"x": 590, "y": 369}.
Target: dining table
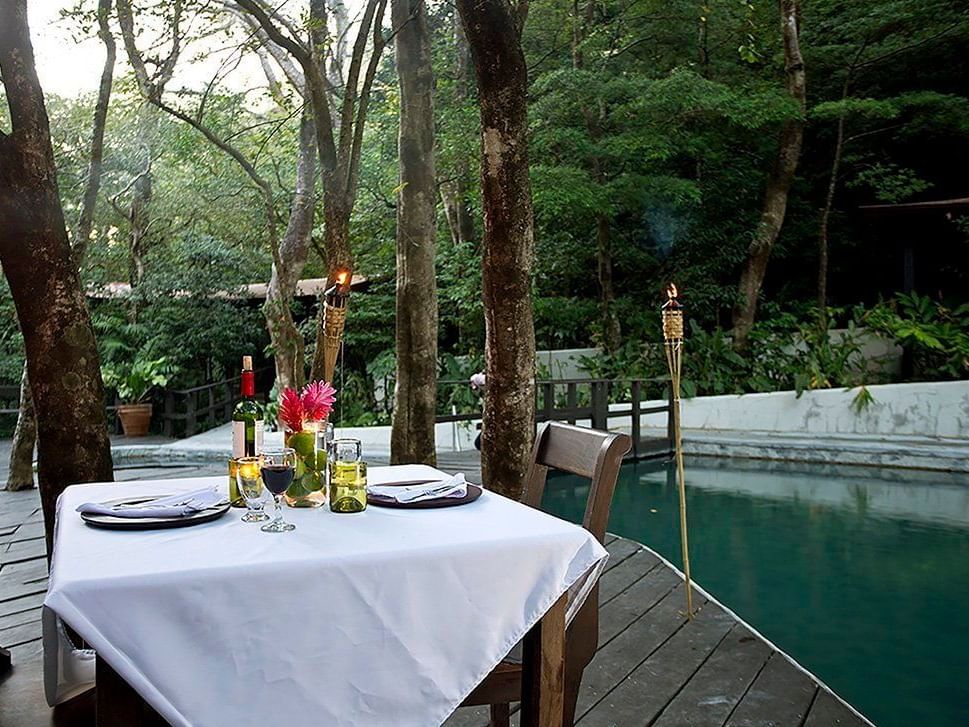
{"x": 390, "y": 616}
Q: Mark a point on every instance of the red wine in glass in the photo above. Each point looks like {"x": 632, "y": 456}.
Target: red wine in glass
{"x": 277, "y": 471}
{"x": 277, "y": 477}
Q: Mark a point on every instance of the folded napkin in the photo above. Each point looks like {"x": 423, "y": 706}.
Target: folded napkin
{"x": 185, "y": 503}
{"x": 449, "y": 487}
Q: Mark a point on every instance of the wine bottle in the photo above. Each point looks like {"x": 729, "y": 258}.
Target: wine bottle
{"x": 247, "y": 426}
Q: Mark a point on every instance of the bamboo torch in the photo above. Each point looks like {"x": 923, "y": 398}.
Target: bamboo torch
{"x": 673, "y": 343}
{"x": 335, "y": 300}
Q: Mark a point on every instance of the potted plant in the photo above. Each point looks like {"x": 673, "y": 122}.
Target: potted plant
{"x": 134, "y": 382}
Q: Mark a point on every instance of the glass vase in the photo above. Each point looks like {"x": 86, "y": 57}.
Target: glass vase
{"x": 309, "y": 476}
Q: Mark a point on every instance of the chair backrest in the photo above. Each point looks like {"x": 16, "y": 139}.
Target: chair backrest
{"x": 598, "y": 456}
{"x": 584, "y": 452}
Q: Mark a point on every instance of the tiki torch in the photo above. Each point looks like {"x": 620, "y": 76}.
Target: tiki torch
{"x": 673, "y": 344}
{"x": 334, "y": 318}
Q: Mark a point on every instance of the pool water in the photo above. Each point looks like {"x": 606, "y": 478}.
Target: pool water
{"x": 861, "y": 574}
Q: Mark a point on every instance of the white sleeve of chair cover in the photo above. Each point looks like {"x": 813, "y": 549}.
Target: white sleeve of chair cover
{"x": 68, "y": 670}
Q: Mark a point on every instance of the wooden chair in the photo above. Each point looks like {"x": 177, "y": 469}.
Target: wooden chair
{"x": 587, "y": 453}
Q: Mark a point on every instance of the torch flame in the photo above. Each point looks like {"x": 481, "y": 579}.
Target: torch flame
{"x": 341, "y": 277}
{"x": 671, "y": 291}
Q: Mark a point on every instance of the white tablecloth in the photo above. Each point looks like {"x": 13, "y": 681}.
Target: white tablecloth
{"x": 389, "y": 617}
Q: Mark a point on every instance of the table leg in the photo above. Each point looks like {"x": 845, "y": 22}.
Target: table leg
{"x": 117, "y": 703}
{"x": 543, "y": 669}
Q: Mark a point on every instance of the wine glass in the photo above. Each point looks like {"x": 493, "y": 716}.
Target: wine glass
{"x": 250, "y": 485}
{"x": 277, "y": 468}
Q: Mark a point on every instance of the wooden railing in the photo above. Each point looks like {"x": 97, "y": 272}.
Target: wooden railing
{"x": 184, "y": 412}
{"x": 573, "y": 400}
{"x": 181, "y": 412}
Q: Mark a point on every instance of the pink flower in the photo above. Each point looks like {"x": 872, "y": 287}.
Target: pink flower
{"x": 317, "y": 400}
{"x": 291, "y": 411}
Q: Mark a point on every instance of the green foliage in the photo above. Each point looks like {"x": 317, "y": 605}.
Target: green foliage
{"x": 134, "y": 381}
{"x": 11, "y": 343}
{"x": 937, "y": 337}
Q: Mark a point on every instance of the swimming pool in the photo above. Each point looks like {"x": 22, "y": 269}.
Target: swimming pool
{"x": 861, "y": 574}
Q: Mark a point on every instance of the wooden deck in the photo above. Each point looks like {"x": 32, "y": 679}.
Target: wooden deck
{"x": 653, "y": 666}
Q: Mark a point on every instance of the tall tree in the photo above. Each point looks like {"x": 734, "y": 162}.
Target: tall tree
{"x": 454, "y": 192}
{"x": 285, "y": 337}
{"x": 339, "y": 131}
{"x": 415, "y": 393}
{"x": 62, "y": 357}
{"x": 779, "y": 179}
{"x": 595, "y": 113}
{"x": 21, "y": 474}
{"x": 494, "y": 31}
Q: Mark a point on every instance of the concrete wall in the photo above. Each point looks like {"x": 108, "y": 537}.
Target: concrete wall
{"x": 919, "y": 409}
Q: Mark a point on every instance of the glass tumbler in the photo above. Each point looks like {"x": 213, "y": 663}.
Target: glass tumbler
{"x": 347, "y": 477}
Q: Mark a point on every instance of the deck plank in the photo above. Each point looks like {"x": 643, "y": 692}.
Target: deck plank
{"x": 645, "y": 692}
{"x": 829, "y": 711}
{"x": 625, "y": 574}
{"x": 620, "y": 656}
{"x": 652, "y": 664}
{"x": 719, "y": 685}
{"x": 780, "y": 695}
{"x": 619, "y": 550}
{"x": 23, "y": 550}
{"x": 22, "y": 634}
{"x": 616, "y": 615}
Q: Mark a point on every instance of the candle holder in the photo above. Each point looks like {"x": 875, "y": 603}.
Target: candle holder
{"x": 672, "y": 313}
{"x": 335, "y": 300}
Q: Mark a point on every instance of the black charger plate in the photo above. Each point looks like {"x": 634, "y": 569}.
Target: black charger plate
{"x": 110, "y": 522}
{"x": 474, "y": 492}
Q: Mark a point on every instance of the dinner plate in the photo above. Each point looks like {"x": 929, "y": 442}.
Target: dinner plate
{"x": 473, "y": 493}
{"x": 111, "y": 522}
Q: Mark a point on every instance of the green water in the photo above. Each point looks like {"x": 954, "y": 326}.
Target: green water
{"x": 861, "y": 574}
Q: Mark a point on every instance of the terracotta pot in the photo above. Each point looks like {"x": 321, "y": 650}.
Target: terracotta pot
{"x": 135, "y": 419}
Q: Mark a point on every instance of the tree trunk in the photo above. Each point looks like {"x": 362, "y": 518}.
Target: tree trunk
{"x": 21, "y": 476}
{"x": 778, "y": 182}
{"x": 415, "y": 394}
{"x": 494, "y": 34}
{"x": 454, "y": 194}
{"x": 832, "y": 187}
{"x": 611, "y": 334}
{"x": 286, "y": 339}
{"x": 95, "y": 162}
{"x": 582, "y": 19}
{"x": 138, "y": 212}
{"x": 62, "y": 358}
{"x": 826, "y": 215}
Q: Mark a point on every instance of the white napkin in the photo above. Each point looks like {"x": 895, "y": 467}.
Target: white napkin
{"x": 454, "y": 486}
{"x": 185, "y": 503}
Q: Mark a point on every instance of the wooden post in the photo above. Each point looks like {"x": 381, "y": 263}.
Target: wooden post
{"x": 636, "y": 434}
{"x": 116, "y": 702}
{"x": 191, "y": 404}
{"x": 168, "y": 421}
{"x": 571, "y": 399}
{"x": 600, "y": 405}
{"x": 548, "y": 396}
{"x": 543, "y": 669}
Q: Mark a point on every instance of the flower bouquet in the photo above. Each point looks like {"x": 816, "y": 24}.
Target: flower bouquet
{"x": 304, "y": 415}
